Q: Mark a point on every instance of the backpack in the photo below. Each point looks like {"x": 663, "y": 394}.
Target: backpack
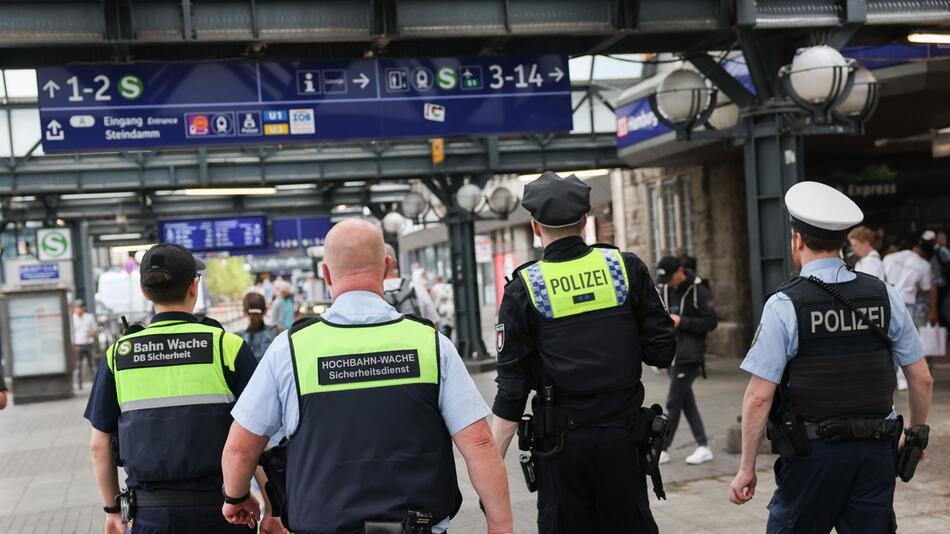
{"x": 404, "y": 298}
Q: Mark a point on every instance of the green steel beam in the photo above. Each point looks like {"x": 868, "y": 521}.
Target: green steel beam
{"x": 402, "y": 160}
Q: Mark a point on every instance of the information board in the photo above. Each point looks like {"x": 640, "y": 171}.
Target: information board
{"x": 149, "y": 105}
{"x": 300, "y": 232}
{"x": 216, "y": 234}
{"x": 38, "y": 271}
{"x": 36, "y": 324}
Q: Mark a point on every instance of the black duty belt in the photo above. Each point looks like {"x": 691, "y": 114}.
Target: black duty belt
{"x": 851, "y": 429}
{"x": 169, "y": 498}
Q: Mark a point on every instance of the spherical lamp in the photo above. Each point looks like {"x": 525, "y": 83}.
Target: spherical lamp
{"x": 502, "y": 201}
{"x": 393, "y": 222}
{"x": 818, "y": 74}
{"x": 413, "y": 205}
{"x": 862, "y": 93}
{"x": 683, "y": 95}
{"x": 726, "y": 114}
{"x": 468, "y": 197}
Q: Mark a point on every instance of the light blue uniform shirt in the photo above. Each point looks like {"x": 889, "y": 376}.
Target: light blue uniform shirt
{"x": 269, "y": 401}
{"x": 776, "y": 340}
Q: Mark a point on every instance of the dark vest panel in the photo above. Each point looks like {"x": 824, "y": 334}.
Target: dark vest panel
{"x": 842, "y": 367}
{"x": 364, "y": 454}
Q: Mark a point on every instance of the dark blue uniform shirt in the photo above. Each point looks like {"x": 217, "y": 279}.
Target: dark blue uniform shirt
{"x": 103, "y": 410}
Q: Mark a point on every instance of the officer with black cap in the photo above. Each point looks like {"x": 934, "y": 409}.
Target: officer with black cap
{"x": 574, "y": 327}
{"x": 163, "y": 394}
{"x": 823, "y": 380}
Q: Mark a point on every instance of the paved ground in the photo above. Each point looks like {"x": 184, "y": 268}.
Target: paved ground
{"x": 46, "y": 484}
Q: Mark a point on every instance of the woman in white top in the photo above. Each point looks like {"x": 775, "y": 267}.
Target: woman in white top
{"x": 870, "y": 260}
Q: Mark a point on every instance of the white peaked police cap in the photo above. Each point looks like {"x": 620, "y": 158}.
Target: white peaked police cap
{"x": 821, "y": 211}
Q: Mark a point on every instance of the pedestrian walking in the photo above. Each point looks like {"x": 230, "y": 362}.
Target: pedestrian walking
{"x": 869, "y": 260}
{"x": 822, "y": 364}
{"x": 84, "y": 330}
{"x": 373, "y": 400}
{"x": 258, "y": 335}
{"x": 688, "y": 302}
{"x": 407, "y": 296}
{"x": 575, "y": 328}
{"x": 159, "y": 407}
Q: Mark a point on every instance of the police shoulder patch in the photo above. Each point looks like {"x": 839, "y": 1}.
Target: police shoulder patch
{"x": 499, "y": 337}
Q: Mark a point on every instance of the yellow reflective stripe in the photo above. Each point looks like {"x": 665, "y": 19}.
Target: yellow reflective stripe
{"x": 382, "y": 348}
{"x": 168, "y": 402}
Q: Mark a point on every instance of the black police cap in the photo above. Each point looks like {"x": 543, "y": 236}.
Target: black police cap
{"x": 554, "y": 201}
{"x": 172, "y": 259}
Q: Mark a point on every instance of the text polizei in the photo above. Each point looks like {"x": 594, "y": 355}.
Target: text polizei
{"x": 840, "y": 320}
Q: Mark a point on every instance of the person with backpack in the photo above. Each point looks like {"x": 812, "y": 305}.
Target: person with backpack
{"x": 407, "y": 296}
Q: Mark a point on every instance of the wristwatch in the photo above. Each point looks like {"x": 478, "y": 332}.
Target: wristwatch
{"x": 234, "y": 500}
{"x": 114, "y": 509}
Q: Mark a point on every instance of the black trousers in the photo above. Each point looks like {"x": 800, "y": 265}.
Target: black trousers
{"x": 681, "y": 400}
{"x": 184, "y": 520}
{"x": 83, "y": 352}
{"x": 848, "y": 486}
{"x": 594, "y": 486}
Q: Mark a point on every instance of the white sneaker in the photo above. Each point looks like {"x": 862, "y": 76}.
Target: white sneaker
{"x": 700, "y": 455}
{"x": 664, "y": 457}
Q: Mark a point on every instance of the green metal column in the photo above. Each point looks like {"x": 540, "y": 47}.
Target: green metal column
{"x": 468, "y": 323}
{"x": 773, "y": 163}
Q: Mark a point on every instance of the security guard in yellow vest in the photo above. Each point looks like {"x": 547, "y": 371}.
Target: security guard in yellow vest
{"x": 163, "y": 395}
{"x": 372, "y": 402}
{"x": 575, "y": 328}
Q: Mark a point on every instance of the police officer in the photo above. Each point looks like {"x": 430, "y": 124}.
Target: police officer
{"x": 372, "y": 401}
{"x": 165, "y": 391}
{"x": 575, "y": 327}
{"x": 825, "y": 351}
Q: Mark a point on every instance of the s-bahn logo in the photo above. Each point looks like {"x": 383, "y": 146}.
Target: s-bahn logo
{"x": 124, "y": 348}
{"x": 54, "y": 244}
{"x": 130, "y": 87}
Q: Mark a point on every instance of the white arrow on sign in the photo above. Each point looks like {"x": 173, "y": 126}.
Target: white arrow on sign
{"x": 54, "y": 126}
{"x": 362, "y": 81}
{"x": 557, "y": 74}
{"x": 51, "y": 87}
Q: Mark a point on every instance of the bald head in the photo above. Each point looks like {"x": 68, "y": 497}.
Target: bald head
{"x": 354, "y": 257}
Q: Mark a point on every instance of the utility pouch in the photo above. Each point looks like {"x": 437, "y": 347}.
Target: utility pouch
{"x": 788, "y": 436}
{"x": 126, "y": 505}
{"x": 526, "y": 433}
{"x": 274, "y": 462}
{"x": 915, "y": 441}
{"x": 528, "y": 469}
{"x": 414, "y": 523}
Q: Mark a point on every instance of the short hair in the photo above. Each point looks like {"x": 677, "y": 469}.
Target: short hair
{"x": 156, "y": 288}
{"x": 861, "y": 234}
{"x": 823, "y": 244}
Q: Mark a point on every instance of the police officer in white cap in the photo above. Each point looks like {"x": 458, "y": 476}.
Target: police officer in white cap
{"x": 822, "y": 364}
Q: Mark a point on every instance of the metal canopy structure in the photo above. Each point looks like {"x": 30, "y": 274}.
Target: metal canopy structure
{"x": 336, "y": 162}
{"x": 34, "y": 32}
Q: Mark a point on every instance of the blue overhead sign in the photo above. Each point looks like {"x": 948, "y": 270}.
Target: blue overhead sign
{"x": 301, "y": 232}
{"x": 38, "y": 271}
{"x": 148, "y": 105}
{"x": 216, "y": 234}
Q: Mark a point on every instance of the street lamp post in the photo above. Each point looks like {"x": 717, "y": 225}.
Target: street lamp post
{"x": 819, "y": 92}
{"x": 463, "y": 203}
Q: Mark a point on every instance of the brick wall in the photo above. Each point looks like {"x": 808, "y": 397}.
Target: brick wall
{"x": 720, "y": 240}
